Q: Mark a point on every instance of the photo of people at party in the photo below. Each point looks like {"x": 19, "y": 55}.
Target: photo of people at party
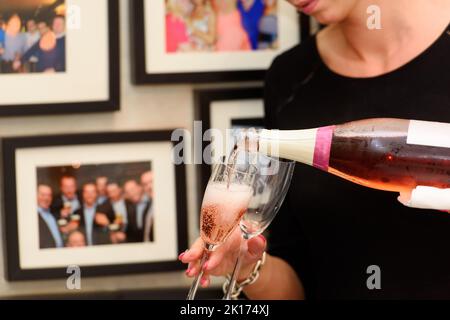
{"x": 32, "y": 36}
{"x": 221, "y": 25}
{"x": 88, "y": 205}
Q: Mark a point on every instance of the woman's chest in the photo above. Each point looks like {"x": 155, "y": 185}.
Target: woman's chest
{"x": 332, "y": 100}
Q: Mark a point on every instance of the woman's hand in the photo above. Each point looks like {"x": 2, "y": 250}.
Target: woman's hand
{"x": 423, "y": 197}
{"x": 222, "y": 260}
{"x": 404, "y": 197}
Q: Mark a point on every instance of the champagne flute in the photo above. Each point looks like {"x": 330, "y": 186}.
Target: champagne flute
{"x": 271, "y": 186}
{"x": 226, "y": 198}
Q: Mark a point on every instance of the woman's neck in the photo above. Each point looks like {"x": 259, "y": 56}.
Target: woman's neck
{"x": 407, "y": 29}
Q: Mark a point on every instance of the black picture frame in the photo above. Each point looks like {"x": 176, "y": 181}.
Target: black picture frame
{"x": 109, "y": 105}
{"x": 14, "y": 272}
{"x": 138, "y": 61}
{"x": 203, "y": 98}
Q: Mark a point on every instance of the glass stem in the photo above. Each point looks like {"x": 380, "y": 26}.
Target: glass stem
{"x": 236, "y": 270}
{"x": 196, "y": 282}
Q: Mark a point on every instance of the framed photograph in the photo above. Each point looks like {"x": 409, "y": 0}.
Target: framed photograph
{"x": 179, "y": 41}
{"x": 107, "y": 202}
{"x": 224, "y": 110}
{"x": 59, "y": 56}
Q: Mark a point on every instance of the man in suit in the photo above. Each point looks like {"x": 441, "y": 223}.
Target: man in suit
{"x": 102, "y": 183}
{"x": 94, "y": 233}
{"x": 116, "y": 210}
{"x": 116, "y": 207}
{"x": 59, "y": 28}
{"x": 134, "y": 193}
{"x": 147, "y": 184}
{"x": 69, "y": 201}
{"x": 49, "y": 234}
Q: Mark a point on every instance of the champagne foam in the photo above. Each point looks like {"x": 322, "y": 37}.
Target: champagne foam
{"x": 222, "y": 209}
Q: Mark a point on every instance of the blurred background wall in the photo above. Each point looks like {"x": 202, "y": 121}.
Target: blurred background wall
{"x": 142, "y": 108}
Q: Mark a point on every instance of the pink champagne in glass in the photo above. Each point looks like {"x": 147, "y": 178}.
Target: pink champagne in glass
{"x": 222, "y": 208}
{"x": 226, "y": 199}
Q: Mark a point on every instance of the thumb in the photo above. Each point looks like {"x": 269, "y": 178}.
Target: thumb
{"x": 256, "y": 247}
{"x": 405, "y": 198}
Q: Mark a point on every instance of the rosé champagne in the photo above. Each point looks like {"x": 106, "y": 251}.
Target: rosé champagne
{"x": 386, "y": 154}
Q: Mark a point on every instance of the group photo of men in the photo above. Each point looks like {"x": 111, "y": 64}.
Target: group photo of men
{"x": 83, "y": 209}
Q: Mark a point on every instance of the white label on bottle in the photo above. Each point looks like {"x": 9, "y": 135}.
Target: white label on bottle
{"x": 434, "y": 134}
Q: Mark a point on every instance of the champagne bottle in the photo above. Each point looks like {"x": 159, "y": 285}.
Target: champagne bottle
{"x": 386, "y": 154}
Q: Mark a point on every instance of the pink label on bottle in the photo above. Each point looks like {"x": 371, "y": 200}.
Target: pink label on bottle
{"x": 322, "y": 149}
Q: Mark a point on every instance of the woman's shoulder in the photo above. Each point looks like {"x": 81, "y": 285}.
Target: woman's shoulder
{"x": 288, "y": 70}
{"x": 296, "y": 62}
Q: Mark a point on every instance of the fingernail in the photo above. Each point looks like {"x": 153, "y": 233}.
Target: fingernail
{"x": 181, "y": 255}
{"x": 204, "y": 281}
{"x": 188, "y": 271}
{"x": 205, "y": 266}
{"x": 262, "y": 238}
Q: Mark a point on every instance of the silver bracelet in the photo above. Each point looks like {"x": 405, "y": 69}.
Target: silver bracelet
{"x": 254, "y": 275}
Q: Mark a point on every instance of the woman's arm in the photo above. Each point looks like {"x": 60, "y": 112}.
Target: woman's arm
{"x": 277, "y": 281}
{"x": 210, "y": 36}
{"x": 424, "y": 197}
{"x": 33, "y": 51}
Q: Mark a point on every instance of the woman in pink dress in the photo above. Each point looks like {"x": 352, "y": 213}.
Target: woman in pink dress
{"x": 202, "y": 26}
{"x": 231, "y": 35}
{"x": 176, "y": 31}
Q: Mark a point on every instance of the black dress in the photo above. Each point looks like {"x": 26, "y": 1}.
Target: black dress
{"x": 331, "y": 230}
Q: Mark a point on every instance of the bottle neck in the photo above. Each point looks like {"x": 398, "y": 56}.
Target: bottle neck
{"x": 297, "y": 145}
{"x": 308, "y": 146}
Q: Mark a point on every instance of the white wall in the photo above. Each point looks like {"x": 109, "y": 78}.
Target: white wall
{"x": 143, "y": 107}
